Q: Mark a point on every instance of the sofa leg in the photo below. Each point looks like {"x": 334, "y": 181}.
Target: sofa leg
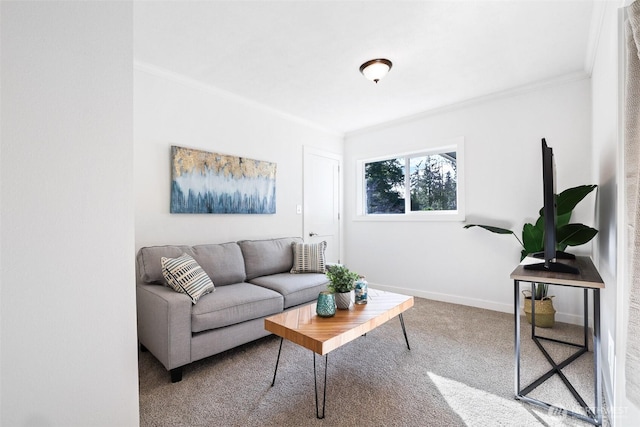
{"x": 143, "y": 348}
{"x": 176, "y": 375}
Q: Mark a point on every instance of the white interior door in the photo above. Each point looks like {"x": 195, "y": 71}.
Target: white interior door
{"x": 322, "y": 207}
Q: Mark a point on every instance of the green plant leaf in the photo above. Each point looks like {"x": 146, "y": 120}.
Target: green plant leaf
{"x": 523, "y": 254}
{"x": 341, "y": 279}
{"x": 540, "y": 223}
{"x": 566, "y": 234}
{"x": 532, "y": 238}
{"x": 541, "y": 290}
{"x": 490, "y": 228}
{"x": 569, "y": 198}
{"x": 562, "y": 220}
{"x": 496, "y": 230}
{"x": 574, "y": 235}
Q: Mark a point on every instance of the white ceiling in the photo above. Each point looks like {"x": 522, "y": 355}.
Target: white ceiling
{"x": 301, "y": 58}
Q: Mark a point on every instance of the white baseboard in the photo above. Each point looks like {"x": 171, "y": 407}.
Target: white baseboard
{"x": 472, "y": 302}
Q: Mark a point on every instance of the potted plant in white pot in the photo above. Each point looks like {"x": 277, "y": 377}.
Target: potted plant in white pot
{"x": 567, "y": 234}
{"x": 341, "y": 283}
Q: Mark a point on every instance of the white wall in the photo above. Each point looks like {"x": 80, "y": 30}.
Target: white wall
{"x": 171, "y": 110}
{"x": 441, "y": 260}
{"x": 609, "y": 250}
{"x": 67, "y": 280}
{"x": 605, "y": 156}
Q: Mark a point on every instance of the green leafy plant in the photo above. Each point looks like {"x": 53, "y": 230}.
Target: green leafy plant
{"x": 567, "y": 233}
{"x": 341, "y": 279}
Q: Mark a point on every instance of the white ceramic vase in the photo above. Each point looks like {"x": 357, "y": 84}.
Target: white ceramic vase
{"x": 343, "y": 300}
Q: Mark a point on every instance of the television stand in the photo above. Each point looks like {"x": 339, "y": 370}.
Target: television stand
{"x": 556, "y": 267}
{"x": 559, "y": 255}
{"x": 588, "y": 279}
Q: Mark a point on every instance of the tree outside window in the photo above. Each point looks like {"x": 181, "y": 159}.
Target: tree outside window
{"x": 434, "y": 182}
{"x": 385, "y": 186}
{"x": 427, "y": 181}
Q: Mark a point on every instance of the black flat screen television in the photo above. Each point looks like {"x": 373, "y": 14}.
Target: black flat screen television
{"x": 550, "y": 255}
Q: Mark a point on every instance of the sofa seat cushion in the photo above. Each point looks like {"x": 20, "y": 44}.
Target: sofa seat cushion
{"x": 233, "y": 304}
{"x": 296, "y": 288}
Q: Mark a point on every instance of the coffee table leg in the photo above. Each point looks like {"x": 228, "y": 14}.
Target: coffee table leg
{"x": 404, "y": 331}
{"x": 315, "y": 384}
{"x": 277, "y": 361}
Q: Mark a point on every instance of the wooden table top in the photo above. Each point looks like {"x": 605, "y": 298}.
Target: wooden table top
{"x": 323, "y": 334}
{"x": 588, "y": 277}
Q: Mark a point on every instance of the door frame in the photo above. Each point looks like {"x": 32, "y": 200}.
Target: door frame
{"x": 312, "y": 151}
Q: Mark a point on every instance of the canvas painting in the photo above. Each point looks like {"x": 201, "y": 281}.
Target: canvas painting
{"x": 203, "y": 182}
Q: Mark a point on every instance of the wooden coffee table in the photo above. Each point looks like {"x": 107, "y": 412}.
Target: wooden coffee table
{"x": 324, "y": 334}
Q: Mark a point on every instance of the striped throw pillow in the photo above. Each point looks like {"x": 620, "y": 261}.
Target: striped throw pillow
{"x": 308, "y": 257}
{"x": 186, "y": 276}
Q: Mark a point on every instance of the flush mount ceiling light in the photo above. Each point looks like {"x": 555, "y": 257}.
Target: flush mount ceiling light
{"x": 375, "y": 69}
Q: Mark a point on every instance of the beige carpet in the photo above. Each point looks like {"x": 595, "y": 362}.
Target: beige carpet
{"x": 459, "y": 372}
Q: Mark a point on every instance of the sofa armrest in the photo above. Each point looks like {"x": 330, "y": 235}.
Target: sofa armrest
{"x": 164, "y": 324}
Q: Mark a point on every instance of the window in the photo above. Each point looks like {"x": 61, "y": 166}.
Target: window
{"x": 421, "y": 185}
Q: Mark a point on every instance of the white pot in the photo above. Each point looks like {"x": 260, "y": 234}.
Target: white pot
{"x": 343, "y": 300}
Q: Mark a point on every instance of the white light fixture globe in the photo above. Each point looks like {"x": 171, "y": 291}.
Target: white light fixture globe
{"x": 375, "y": 69}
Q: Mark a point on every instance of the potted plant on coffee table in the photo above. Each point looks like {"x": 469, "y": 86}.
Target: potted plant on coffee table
{"x": 567, "y": 234}
{"x": 341, "y": 282}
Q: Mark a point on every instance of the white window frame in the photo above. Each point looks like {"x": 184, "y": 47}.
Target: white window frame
{"x": 456, "y": 144}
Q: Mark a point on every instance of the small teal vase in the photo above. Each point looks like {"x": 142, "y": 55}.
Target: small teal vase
{"x": 326, "y": 306}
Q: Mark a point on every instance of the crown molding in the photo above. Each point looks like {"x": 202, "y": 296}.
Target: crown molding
{"x": 197, "y": 85}
{"x": 194, "y": 84}
{"x": 508, "y": 93}
{"x": 595, "y": 30}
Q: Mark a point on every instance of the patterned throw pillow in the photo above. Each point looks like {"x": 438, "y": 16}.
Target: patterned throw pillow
{"x": 308, "y": 257}
{"x": 186, "y": 276}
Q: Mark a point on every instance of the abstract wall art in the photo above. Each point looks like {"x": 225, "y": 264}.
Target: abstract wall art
{"x": 203, "y": 182}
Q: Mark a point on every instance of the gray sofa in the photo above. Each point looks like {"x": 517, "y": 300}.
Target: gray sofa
{"x": 252, "y": 281}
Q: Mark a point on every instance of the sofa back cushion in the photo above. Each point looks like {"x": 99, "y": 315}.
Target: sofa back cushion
{"x": 149, "y": 265}
{"x": 264, "y": 257}
{"x": 223, "y": 262}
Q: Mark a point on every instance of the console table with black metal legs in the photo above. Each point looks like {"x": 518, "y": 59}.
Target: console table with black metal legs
{"x": 587, "y": 279}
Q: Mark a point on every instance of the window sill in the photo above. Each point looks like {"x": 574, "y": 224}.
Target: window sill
{"x": 431, "y": 216}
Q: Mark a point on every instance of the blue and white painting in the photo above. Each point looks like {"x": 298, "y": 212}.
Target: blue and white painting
{"x": 203, "y": 182}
